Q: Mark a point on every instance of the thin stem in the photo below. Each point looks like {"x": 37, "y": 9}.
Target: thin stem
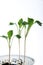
{"x": 16, "y": 25}
{"x": 21, "y": 28}
{"x": 24, "y": 49}
{"x": 18, "y": 39}
{"x": 12, "y": 40}
{"x": 27, "y": 31}
{"x": 9, "y": 51}
{"x": 19, "y": 48}
{"x": 19, "y": 44}
{"x": 24, "y": 45}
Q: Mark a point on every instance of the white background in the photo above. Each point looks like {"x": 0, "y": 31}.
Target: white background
{"x": 12, "y": 11}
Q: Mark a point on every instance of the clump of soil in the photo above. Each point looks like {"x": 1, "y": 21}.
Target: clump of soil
{"x": 18, "y": 62}
{"x": 8, "y": 64}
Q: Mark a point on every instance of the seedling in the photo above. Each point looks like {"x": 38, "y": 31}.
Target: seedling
{"x": 8, "y": 38}
{"x": 19, "y": 27}
{"x": 27, "y": 26}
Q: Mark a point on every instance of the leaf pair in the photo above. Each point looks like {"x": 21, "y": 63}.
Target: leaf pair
{"x": 20, "y": 25}
{"x": 9, "y": 33}
{"x": 30, "y": 23}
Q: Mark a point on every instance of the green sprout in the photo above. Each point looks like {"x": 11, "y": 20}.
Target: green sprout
{"x": 19, "y": 32}
{"x": 18, "y": 35}
{"x": 8, "y": 38}
{"x": 27, "y": 26}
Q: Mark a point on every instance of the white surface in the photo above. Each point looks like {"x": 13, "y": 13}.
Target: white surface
{"x": 13, "y": 10}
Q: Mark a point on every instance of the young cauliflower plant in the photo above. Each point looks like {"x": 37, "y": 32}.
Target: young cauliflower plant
{"x": 8, "y": 38}
{"x": 27, "y": 26}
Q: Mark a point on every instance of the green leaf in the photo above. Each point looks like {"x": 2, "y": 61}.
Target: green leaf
{"x": 18, "y": 36}
{"x": 10, "y": 33}
{"x": 11, "y": 23}
{"x": 20, "y": 22}
{"x": 30, "y": 21}
{"x": 24, "y": 23}
{"x": 38, "y": 22}
{"x": 4, "y": 36}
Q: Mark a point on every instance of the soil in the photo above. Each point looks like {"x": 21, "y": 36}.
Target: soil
{"x": 8, "y": 64}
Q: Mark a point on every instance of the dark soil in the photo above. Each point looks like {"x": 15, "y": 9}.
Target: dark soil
{"x": 8, "y": 64}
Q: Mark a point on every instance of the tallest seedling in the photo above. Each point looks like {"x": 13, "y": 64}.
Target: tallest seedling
{"x": 27, "y": 26}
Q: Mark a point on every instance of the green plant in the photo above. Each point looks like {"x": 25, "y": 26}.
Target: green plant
{"x": 19, "y": 27}
{"x": 8, "y": 38}
{"x": 27, "y": 26}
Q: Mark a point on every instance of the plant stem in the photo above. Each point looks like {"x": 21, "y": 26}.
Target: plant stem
{"x": 19, "y": 44}
{"x": 24, "y": 49}
{"x": 9, "y": 51}
{"x": 19, "y": 48}
{"x": 24, "y": 45}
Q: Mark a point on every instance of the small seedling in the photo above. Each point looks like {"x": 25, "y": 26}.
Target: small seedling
{"x": 8, "y": 38}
